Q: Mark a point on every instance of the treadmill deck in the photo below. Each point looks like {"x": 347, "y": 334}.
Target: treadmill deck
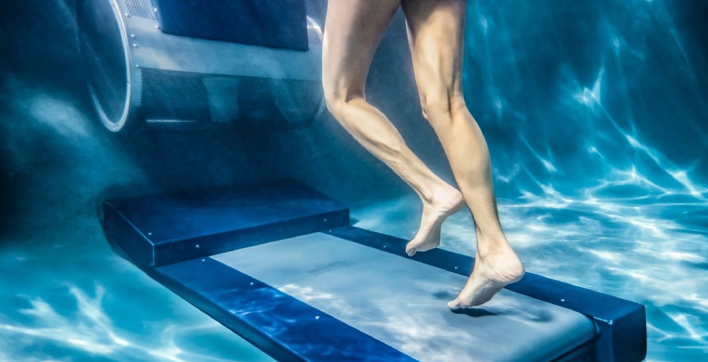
{"x": 403, "y": 303}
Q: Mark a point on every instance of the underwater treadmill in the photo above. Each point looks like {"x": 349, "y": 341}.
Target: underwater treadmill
{"x": 279, "y": 264}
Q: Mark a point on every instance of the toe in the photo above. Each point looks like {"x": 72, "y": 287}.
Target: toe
{"x": 453, "y": 304}
{"x": 410, "y": 249}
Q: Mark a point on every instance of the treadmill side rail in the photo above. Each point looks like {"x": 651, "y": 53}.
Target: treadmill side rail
{"x": 280, "y": 325}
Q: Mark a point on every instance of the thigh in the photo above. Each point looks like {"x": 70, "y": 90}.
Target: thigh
{"x": 436, "y": 37}
{"x": 353, "y": 30}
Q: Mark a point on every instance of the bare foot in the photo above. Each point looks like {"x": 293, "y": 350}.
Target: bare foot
{"x": 490, "y": 275}
{"x": 446, "y": 202}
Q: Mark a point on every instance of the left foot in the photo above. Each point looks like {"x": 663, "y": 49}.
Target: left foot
{"x": 446, "y": 202}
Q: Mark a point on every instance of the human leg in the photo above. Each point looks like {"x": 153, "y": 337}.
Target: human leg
{"x": 436, "y": 34}
{"x": 353, "y": 30}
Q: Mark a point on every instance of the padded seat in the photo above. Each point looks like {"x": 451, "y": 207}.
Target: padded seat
{"x": 268, "y": 23}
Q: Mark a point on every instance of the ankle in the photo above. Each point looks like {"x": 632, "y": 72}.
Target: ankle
{"x": 438, "y": 192}
{"x": 488, "y": 246}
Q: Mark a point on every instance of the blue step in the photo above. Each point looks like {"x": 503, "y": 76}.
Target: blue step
{"x": 156, "y": 230}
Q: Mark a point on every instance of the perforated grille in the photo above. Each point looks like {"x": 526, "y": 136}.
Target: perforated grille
{"x": 141, "y": 9}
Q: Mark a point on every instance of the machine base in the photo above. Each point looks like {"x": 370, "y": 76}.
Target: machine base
{"x": 330, "y": 291}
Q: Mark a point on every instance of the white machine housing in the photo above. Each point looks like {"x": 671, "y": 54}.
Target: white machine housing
{"x": 137, "y": 74}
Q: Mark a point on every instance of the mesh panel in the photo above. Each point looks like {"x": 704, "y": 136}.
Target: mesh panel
{"x": 171, "y": 97}
{"x": 174, "y": 95}
{"x": 141, "y": 9}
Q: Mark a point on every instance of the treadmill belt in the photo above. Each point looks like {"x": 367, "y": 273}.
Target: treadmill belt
{"x": 403, "y": 303}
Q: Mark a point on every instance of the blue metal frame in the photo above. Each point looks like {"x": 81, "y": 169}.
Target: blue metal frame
{"x": 280, "y": 325}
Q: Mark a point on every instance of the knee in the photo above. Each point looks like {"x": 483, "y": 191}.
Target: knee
{"x": 338, "y": 104}
{"x": 334, "y": 101}
{"x": 442, "y": 105}
{"x": 337, "y": 95}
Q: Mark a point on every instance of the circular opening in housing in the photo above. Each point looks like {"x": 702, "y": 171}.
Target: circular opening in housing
{"x": 104, "y": 47}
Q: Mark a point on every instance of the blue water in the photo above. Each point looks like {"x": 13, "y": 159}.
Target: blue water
{"x": 595, "y": 113}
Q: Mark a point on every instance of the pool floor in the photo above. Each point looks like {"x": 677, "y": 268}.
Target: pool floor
{"x": 65, "y": 295}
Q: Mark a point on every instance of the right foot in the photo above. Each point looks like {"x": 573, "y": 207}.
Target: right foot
{"x": 446, "y": 202}
{"x": 490, "y": 275}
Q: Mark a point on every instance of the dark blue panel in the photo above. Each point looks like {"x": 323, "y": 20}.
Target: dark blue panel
{"x": 282, "y": 326}
{"x": 167, "y": 228}
{"x": 621, "y": 323}
{"x": 131, "y": 244}
{"x": 270, "y": 23}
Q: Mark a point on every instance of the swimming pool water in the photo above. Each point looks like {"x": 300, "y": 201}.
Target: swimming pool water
{"x": 594, "y": 111}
